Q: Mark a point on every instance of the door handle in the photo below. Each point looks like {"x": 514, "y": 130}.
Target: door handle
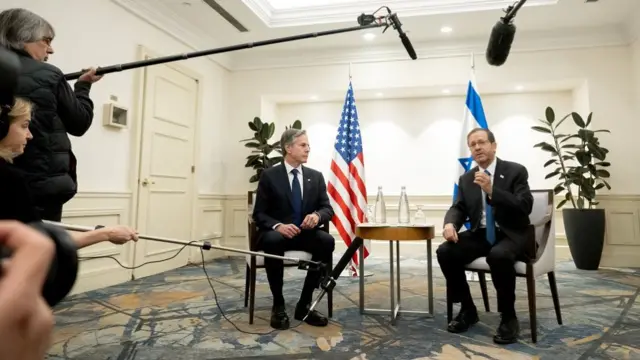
{"x": 146, "y": 182}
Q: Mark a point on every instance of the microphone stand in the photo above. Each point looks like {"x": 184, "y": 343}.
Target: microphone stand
{"x": 302, "y": 263}
{"x": 369, "y": 22}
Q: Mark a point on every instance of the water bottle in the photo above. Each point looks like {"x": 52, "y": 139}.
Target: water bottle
{"x": 381, "y": 210}
{"x": 403, "y": 207}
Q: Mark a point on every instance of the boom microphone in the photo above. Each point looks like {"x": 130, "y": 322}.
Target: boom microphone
{"x": 502, "y": 36}
{"x": 330, "y": 282}
{"x": 395, "y": 22}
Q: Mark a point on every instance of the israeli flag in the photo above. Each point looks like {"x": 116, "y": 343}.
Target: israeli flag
{"x": 473, "y": 117}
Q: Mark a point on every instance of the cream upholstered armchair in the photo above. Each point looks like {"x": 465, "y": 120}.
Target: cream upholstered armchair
{"x": 544, "y": 262}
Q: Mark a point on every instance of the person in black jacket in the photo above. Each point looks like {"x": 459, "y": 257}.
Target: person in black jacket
{"x": 48, "y": 160}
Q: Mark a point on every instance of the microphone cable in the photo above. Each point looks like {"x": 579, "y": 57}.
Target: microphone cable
{"x": 204, "y": 269}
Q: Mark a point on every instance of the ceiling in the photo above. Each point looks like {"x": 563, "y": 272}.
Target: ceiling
{"x": 198, "y": 24}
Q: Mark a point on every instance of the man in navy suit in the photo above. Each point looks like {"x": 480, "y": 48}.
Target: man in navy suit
{"x": 291, "y": 201}
{"x": 495, "y": 198}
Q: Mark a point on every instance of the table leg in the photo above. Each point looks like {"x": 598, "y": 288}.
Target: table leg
{"x": 361, "y": 265}
{"x": 430, "y": 277}
{"x": 394, "y": 287}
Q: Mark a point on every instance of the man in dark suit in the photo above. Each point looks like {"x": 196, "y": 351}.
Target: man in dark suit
{"x": 495, "y": 198}
{"x": 291, "y": 201}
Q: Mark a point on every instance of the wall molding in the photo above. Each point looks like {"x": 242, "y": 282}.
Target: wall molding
{"x": 622, "y": 238}
{"x": 222, "y": 220}
{"x": 343, "y": 12}
{"x": 527, "y": 42}
{"x": 182, "y": 30}
{"x": 165, "y": 20}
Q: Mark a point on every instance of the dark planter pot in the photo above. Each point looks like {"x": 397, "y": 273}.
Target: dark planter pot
{"x": 585, "y": 235}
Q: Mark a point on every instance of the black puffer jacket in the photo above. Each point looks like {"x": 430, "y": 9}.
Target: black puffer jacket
{"x": 59, "y": 110}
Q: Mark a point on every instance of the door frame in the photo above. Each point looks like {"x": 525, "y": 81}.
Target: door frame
{"x": 139, "y": 98}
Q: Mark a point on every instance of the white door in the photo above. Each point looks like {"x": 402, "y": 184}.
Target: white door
{"x": 165, "y": 184}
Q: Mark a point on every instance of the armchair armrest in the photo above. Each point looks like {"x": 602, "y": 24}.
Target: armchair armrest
{"x": 543, "y": 221}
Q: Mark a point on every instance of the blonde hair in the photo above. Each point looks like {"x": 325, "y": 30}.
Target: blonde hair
{"x": 21, "y": 108}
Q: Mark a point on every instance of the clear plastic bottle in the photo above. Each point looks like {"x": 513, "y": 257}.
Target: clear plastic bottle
{"x": 404, "y": 215}
{"x": 380, "y": 209}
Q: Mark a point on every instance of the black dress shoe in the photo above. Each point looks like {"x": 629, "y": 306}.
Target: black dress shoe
{"x": 508, "y": 331}
{"x": 464, "y": 320}
{"x": 279, "y": 318}
{"x": 314, "y": 318}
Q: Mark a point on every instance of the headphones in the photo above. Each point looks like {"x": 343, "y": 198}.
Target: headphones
{"x": 4, "y": 120}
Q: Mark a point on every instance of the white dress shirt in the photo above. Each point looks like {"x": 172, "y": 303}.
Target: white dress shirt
{"x": 492, "y": 171}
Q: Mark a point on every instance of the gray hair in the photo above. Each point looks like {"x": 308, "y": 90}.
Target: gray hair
{"x": 289, "y": 136}
{"x": 21, "y": 26}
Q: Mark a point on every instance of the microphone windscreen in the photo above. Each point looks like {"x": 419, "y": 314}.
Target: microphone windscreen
{"x": 346, "y": 258}
{"x": 408, "y": 46}
{"x": 500, "y": 43}
{"x": 9, "y": 70}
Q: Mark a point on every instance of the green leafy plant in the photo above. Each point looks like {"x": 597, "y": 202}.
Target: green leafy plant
{"x": 579, "y": 159}
{"x": 262, "y": 152}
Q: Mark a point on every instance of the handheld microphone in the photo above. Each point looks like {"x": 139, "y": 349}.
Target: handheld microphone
{"x": 395, "y": 22}
{"x": 502, "y": 35}
{"x": 330, "y": 282}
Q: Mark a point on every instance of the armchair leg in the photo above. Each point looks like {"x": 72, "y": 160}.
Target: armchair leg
{"x": 247, "y": 283}
{"x": 554, "y": 295}
{"x": 252, "y": 293}
{"x": 531, "y": 292}
{"x": 483, "y": 288}
{"x": 330, "y": 295}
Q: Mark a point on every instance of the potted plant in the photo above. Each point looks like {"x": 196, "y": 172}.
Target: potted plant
{"x": 262, "y": 152}
{"x": 580, "y": 164}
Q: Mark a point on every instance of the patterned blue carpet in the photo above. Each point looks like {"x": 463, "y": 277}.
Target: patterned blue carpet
{"x": 174, "y": 316}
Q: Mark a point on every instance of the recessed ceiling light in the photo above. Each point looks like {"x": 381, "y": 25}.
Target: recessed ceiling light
{"x": 446, "y": 91}
{"x": 446, "y": 29}
{"x": 369, "y": 36}
{"x": 379, "y": 94}
{"x": 519, "y": 87}
{"x": 313, "y": 97}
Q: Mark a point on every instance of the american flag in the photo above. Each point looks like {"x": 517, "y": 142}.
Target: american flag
{"x": 346, "y": 184}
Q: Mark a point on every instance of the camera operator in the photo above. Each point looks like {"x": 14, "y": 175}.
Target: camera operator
{"x": 26, "y": 321}
{"x": 48, "y": 161}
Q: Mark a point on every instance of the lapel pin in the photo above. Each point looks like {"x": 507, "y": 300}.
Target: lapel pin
{"x": 501, "y": 176}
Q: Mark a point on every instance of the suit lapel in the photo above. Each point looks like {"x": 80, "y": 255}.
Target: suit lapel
{"x": 498, "y": 177}
{"x": 283, "y": 179}
{"x": 306, "y": 187}
{"x": 475, "y": 194}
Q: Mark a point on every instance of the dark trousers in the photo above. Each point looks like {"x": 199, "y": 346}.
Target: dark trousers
{"x": 317, "y": 242}
{"x": 501, "y": 258}
{"x": 51, "y": 211}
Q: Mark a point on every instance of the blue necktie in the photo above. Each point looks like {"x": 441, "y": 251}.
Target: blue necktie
{"x": 491, "y": 224}
{"x": 296, "y": 198}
